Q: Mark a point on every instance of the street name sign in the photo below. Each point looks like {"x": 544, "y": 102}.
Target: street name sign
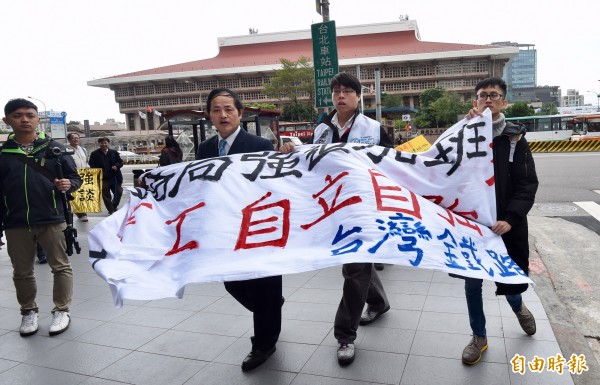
{"x": 325, "y": 60}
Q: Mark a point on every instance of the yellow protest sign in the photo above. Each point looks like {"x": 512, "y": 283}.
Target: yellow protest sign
{"x": 88, "y": 196}
{"x": 418, "y": 144}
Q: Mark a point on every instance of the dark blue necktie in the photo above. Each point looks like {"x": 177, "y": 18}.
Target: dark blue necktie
{"x": 222, "y": 144}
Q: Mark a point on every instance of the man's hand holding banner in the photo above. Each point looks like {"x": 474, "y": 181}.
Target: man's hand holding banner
{"x": 261, "y": 214}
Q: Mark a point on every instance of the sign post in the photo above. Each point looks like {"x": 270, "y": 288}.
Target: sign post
{"x": 325, "y": 61}
{"x": 58, "y": 126}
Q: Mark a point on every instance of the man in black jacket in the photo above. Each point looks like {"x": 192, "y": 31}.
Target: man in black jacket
{"x": 34, "y": 173}
{"x": 110, "y": 162}
{"x": 261, "y": 296}
{"x": 516, "y": 184}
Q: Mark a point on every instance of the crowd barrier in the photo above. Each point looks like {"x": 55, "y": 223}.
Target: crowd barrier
{"x": 565, "y": 146}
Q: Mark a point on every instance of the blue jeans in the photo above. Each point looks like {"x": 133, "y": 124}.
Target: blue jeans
{"x": 474, "y": 296}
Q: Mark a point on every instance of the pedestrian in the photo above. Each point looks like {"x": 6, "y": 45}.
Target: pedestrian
{"x": 110, "y": 162}
{"x": 516, "y": 184}
{"x": 171, "y": 152}
{"x": 345, "y": 124}
{"x": 262, "y": 296}
{"x": 80, "y": 157}
{"x": 33, "y": 176}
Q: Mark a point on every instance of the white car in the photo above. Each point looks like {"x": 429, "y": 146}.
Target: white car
{"x": 132, "y": 157}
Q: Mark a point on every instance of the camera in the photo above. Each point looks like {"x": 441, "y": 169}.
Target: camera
{"x": 58, "y": 151}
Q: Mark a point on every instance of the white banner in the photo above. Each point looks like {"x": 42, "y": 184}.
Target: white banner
{"x": 261, "y": 214}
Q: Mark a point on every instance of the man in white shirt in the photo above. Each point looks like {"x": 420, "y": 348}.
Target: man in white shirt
{"x": 80, "y": 157}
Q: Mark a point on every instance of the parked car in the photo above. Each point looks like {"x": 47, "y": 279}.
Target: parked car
{"x": 132, "y": 157}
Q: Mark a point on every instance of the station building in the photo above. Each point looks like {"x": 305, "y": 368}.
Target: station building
{"x": 408, "y": 66}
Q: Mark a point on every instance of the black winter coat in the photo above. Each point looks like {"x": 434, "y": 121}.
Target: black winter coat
{"x": 105, "y": 162}
{"x": 30, "y": 198}
{"x": 516, "y": 184}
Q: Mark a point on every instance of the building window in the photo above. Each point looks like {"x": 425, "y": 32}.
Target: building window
{"x": 251, "y": 82}
{"x": 451, "y": 84}
{"x": 404, "y": 86}
{"x": 164, "y": 88}
{"x": 145, "y": 90}
{"x": 123, "y": 92}
{"x": 422, "y": 86}
{"x": 230, "y": 83}
{"x": 185, "y": 87}
{"x": 448, "y": 68}
{"x": 423, "y": 70}
{"x": 365, "y": 73}
{"x": 207, "y": 85}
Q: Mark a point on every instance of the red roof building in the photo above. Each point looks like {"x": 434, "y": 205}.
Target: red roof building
{"x": 408, "y": 66}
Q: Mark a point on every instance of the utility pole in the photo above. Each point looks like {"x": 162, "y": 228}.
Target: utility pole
{"x": 323, "y": 9}
{"x": 378, "y": 94}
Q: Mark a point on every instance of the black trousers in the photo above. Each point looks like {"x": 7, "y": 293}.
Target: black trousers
{"x": 108, "y": 186}
{"x": 262, "y": 296}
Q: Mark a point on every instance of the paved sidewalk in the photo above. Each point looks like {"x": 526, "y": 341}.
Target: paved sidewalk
{"x": 203, "y": 338}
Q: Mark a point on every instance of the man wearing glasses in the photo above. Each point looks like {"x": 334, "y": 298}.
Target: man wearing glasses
{"x": 362, "y": 285}
{"x": 516, "y": 184}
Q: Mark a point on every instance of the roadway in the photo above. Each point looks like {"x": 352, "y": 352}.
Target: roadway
{"x": 565, "y": 238}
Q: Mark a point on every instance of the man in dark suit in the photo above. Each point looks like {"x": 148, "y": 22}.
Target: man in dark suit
{"x": 261, "y": 296}
{"x": 110, "y": 162}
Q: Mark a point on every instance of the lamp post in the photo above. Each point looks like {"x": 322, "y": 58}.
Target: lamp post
{"x": 598, "y": 96}
{"x": 362, "y": 101}
{"x": 45, "y": 112}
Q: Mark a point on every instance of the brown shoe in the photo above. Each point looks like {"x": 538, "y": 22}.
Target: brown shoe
{"x": 474, "y": 350}
{"x": 526, "y": 320}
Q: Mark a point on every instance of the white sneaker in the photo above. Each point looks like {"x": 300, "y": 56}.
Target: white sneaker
{"x": 60, "y": 322}
{"x": 29, "y": 323}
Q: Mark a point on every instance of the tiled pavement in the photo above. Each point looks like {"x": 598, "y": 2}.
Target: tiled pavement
{"x": 203, "y": 338}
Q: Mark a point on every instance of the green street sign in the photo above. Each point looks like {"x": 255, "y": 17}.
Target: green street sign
{"x": 325, "y": 61}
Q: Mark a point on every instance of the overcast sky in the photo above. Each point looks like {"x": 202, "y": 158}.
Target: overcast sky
{"x": 52, "y": 48}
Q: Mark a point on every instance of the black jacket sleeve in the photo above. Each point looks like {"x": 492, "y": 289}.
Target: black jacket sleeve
{"x": 384, "y": 138}
{"x": 69, "y": 170}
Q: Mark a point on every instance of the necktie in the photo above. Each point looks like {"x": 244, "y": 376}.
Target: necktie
{"x": 222, "y": 144}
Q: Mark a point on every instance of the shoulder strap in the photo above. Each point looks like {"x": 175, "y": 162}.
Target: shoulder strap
{"x": 37, "y": 167}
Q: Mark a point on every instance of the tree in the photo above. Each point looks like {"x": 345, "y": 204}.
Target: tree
{"x": 447, "y": 109}
{"x": 299, "y": 112}
{"x": 73, "y": 126}
{"x": 391, "y": 101}
{"x": 519, "y": 109}
{"x": 426, "y": 117}
{"x": 294, "y": 80}
{"x": 549, "y": 109}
